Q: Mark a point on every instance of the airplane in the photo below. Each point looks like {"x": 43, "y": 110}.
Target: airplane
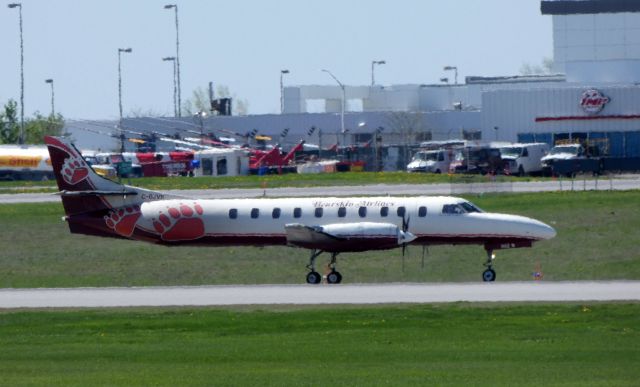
{"x": 98, "y": 206}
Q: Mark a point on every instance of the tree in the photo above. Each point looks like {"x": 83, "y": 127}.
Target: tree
{"x": 39, "y": 126}
{"x": 34, "y": 128}
{"x": 9, "y": 126}
{"x": 546, "y": 67}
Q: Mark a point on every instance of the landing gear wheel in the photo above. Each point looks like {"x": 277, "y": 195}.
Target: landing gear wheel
{"x": 334, "y": 277}
{"x": 314, "y": 278}
{"x": 489, "y": 275}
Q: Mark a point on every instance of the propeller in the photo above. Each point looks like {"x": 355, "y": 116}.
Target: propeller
{"x": 407, "y": 236}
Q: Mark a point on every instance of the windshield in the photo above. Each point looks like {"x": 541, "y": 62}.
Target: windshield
{"x": 514, "y": 151}
{"x": 469, "y": 207}
{"x": 460, "y": 208}
{"x": 426, "y": 156}
{"x": 573, "y": 149}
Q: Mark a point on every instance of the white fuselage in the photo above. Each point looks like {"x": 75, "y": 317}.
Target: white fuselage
{"x": 262, "y": 221}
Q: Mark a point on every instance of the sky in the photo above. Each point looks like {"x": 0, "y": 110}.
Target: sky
{"x": 243, "y": 44}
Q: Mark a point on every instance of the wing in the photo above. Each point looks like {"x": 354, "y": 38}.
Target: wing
{"x": 343, "y": 237}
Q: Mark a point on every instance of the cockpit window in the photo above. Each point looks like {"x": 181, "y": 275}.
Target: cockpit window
{"x": 452, "y": 209}
{"x": 460, "y": 208}
{"x": 470, "y": 207}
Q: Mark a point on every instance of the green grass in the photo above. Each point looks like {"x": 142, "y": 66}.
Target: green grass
{"x": 453, "y": 344}
{"x": 273, "y": 181}
{"x": 597, "y": 240}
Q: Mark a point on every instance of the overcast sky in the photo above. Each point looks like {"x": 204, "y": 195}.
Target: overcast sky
{"x": 244, "y": 44}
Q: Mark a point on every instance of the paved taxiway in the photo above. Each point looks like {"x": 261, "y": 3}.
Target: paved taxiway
{"x": 622, "y": 183}
{"x": 321, "y": 294}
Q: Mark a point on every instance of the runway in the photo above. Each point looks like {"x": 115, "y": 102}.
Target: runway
{"x": 321, "y": 294}
{"x": 627, "y": 182}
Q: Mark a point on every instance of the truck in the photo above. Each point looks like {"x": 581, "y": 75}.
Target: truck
{"x": 569, "y": 158}
{"x": 25, "y": 162}
{"x": 523, "y": 159}
{"x": 433, "y": 161}
{"x": 480, "y": 159}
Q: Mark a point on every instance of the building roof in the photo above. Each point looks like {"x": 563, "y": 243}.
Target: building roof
{"x": 576, "y": 7}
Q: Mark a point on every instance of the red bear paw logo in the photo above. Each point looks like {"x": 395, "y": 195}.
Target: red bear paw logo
{"x": 123, "y": 220}
{"x": 180, "y": 223}
{"x": 74, "y": 170}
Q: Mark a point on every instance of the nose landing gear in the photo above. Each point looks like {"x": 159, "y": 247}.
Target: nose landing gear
{"x": 489, "y": 275}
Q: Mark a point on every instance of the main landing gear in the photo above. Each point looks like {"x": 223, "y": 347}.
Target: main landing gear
{"x": 489, "y": 275}
{"x": 314, "y": 278}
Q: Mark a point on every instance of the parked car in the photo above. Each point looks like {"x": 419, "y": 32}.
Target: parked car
{"x": 523, "y": 159}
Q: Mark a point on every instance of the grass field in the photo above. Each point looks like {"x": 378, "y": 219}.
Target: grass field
{"x": 274, "y": 181}
{"x": 454, "y": 344}
{"x": 597, "y": 239}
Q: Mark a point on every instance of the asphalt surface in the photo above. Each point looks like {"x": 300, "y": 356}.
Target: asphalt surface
{"x": 321, "y": 294}
{"x": 625, "y": 183}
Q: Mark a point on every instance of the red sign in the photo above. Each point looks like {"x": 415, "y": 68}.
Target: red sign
{"x": 593, "y": 101}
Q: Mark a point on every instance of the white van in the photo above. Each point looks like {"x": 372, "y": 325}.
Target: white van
{"x": 434, "y": 161}
{"x": 524, "y": 159}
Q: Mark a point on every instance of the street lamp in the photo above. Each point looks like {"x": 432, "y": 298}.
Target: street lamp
{"x": 201, "y": 115}
{"x": 21, "y": 138}
{"x": 343, "y": 99}
{"x": 373, "y": 63}
{"x": 120, "y": 51}
{"x": 282, "y": 73}
{"x": 175, "y": 7}
{"x": 454, "y": 68}
{"x": 175, "y": 85}
{"x": 53, "y": 109}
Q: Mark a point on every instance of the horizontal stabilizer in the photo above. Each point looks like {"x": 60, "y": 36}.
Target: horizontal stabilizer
{"x": 97, "y": 193}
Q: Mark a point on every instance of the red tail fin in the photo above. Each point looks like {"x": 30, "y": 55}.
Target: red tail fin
{"x": 73, "y": 174}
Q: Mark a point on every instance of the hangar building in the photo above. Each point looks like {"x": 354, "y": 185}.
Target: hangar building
{"x": 593, "y": 93}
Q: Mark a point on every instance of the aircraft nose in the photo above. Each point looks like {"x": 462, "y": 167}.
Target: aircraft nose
{"x": 545, "y": 231}
{"x": 540, "y": 230}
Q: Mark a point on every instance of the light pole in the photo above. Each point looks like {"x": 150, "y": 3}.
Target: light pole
{"x": 373, "y": 63}
{"x": 201, "y": 115}
{"x": 282, "y": 73}
{"x": 175, "y": 7}
{"x": 53, "y": 108}
{"x": 343, "y": 99}
{"x": 120, "y": 51}
{"x": 21, "y": 138}
{"x": 454, "y": 68}
{"x": 175, "y": 85}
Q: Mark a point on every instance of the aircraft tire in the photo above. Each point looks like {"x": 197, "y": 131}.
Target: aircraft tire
{"x": 314, "y": 278}
{"x": 489, "y": 275}
{"x": 334, "y": 277}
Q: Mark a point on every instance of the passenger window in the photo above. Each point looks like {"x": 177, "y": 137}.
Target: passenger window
{"x": 525, "y": 152}
{"x": 422, "y": 212}
{"x": 297, "y": 212}
{"x": 318, "y": 212}
{"x": 233, "y": 213}
{"x": 342, "y": 212}
{"x": 275, "y": 213}
{"x": 362, "y": 211}
{"x": 255, "y": 213}
{"x": 401, "y": 211}
{"x": 384, "y": 211}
